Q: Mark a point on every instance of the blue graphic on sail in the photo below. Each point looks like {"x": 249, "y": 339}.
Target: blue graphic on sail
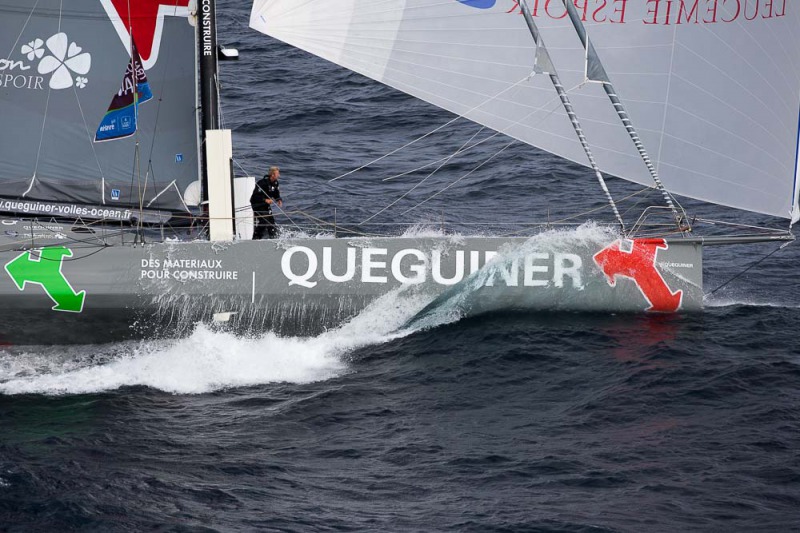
{"x": 480, "y": 4}
{"x": 120, "y": 120}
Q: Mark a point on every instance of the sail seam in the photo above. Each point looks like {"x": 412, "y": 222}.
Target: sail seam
{"x": 732, "y": 108}
{"x": 769, "y": 108}
{"x": 728, "y": 157}
{"x": 758, "y": 189}
{"x": 767, "y": 54}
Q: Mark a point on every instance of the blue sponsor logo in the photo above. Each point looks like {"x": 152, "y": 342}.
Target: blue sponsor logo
{"x": 480, "y": 4}
{"x": 115, "y": 194}
{"x": 179, "y": 158}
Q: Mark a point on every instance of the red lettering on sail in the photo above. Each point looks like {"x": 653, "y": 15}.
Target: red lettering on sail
{"x": 143, "y": 20}
{"x": 639, "y": 265}
{"x": 688, "y": 13}
{"x": 658, "y": 12}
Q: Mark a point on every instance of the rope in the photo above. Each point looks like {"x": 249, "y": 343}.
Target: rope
{"x": 465, "y": 147}
{"x": 89, "y": 137}
{"x": 434, "y": 171}
{"x": 440, "y": 191}
{"x": 462, "y": 115}
{"x": 461, "y": 150}
{"x": 752, "y": 265}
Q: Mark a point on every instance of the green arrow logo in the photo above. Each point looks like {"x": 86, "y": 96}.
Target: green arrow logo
{"x": 43, "y": 267}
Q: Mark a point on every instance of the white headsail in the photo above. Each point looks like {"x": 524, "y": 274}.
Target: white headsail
{"x": 712, "y": 86}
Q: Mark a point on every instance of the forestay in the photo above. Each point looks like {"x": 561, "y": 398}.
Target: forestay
{"x": 712, "y": 86}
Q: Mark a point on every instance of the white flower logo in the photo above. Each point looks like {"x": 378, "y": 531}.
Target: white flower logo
{"x": 81, "y": 82}
{"x": 33, "y": 49}
{"x": 65, "y": 57}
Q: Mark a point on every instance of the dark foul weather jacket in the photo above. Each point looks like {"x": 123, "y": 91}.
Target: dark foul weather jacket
{"x": 265, "y": 188}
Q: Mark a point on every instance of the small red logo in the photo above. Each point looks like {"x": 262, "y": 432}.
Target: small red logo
{"x": 144, "y": 21}
{"x": 639, "y": 264}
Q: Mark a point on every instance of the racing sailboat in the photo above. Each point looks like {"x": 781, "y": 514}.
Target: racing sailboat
{"x": 102, "y": 240}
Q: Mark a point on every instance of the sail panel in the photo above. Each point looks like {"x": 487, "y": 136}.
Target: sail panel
{"x": 713, "y": 93}
{"x": 62, "y": 66}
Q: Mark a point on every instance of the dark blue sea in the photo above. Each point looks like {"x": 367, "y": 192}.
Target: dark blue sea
{"x": 504, "y": 422}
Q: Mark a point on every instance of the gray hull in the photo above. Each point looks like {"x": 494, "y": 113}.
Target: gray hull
{"x": 63, "y": 291}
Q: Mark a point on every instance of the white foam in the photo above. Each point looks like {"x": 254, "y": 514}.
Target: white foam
{"x": 210, "y": 360}
{"x": 424, "y": 230}
{"x": 721, "y": 301}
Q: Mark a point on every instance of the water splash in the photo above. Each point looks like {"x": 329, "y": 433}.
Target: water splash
{"x": 208, "y": 360}
{"x": 470, "y": 297}
{"x": 424, "y": 230}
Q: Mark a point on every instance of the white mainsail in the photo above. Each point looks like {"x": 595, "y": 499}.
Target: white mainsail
{"x": 712, "y": 87}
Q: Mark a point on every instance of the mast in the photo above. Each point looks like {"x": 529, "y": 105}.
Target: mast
{"x": 216, "y": 146}
{"x": 209, "y": 88}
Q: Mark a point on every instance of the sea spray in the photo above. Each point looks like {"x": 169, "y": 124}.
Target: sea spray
{"x": 506, "y": 277}
{"x": 209, "y": 360}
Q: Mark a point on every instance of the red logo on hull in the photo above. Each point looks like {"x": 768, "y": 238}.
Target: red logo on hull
{"x": 639, "y": 265}
{"x": 144, "y": 21}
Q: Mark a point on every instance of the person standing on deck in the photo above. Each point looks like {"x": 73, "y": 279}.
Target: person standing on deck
{"x": 266, "y": 192}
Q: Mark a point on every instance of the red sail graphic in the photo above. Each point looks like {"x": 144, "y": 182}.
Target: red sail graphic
{"x": 143, "y": 20}
{"x": 639, "y": 264}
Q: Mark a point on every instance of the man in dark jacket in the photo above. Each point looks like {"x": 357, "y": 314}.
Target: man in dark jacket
{"x": 266, "y": 192}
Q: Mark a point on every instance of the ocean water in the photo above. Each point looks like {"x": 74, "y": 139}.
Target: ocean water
{"x": 505, "y": 422}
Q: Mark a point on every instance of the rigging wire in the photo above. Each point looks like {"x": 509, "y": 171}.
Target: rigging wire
{"x": 435, "y": 130}
{"x": 46, "y": 108}
{"x": 463, "y": 149}
{"x": 24, "y": 26}
{"x": 460, "y": 151}
{"x": 434, "y": 171}
{"x": 91, "y": 142}
{"x": 680, "y": 218}
{"x": 752, "y": 265}
{"x": 481, "y": 164}
{"x": 549, "y": 113}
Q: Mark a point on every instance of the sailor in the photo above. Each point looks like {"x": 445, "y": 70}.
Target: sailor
{"x": 266, "y": 193}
